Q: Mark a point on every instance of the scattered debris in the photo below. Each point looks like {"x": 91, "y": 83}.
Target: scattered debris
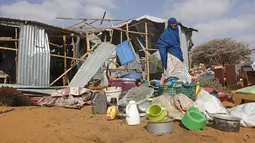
{"x": 12, "y": 97}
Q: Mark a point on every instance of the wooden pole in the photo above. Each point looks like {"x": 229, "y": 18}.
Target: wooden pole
{"x": 16, "y": 47}
{"x": 119, "y": 29}
{"x": 65, "y": 62}
{"x": 56, "y": 45}
{"x": 66, "y": 18}
{"x": 71, "y": 58}
{"x": 74, "y": 50}
{"x": 9, "y": 40}
{"x": 6, "y": 48}
{"x": 190, "y": 60}
{"x": 87, "y": 39}
{"x": 73, "y": 65}
{"x": 70, "y": 27}
{"x": 111, "y": 36}
{"x": 53, "y": 55}
{"x": 121, "y": 37}
{"x": 147, "y": 52}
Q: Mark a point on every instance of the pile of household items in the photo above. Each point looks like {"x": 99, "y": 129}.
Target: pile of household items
{"x": 160, "y": 102}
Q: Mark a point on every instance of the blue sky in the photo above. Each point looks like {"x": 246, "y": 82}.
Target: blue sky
{"x": 213, "y": 18}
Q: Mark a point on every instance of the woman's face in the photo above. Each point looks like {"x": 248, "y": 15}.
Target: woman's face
{"x": 173, "y": 25}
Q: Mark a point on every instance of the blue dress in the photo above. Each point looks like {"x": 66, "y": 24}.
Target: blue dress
{"x": 169, "y": 42}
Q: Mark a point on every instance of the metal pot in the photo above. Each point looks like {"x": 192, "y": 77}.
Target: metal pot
{"x": 226, "y": 123}
{"x": 163, "y": 127}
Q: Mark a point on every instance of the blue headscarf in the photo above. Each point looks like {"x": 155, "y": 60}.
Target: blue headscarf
{"x": 169, "y": 42}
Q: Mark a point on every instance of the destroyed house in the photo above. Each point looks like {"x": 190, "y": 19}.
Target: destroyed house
{"x": 34, "y": 53}
{"x": 155, "y": 26}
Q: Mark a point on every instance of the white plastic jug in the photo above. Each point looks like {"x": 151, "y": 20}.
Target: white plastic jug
{"x": 132, "y": 114}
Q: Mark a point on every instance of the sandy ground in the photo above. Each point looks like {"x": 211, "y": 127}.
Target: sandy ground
{"x": 60, "y": 125}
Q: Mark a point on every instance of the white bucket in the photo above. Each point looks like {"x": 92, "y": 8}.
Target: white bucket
{"x": 113, "y": 92}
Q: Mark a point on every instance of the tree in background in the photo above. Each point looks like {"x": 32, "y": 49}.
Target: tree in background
{"x": 221, "y": 52}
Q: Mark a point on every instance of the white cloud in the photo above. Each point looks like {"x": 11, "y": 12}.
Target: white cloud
{"x": 216, "y": 18}
{"x": 96, "y": 11}
{"x": 249, "y": 39}
{"x": 238, "y": 28}
{"x": 48, "y": 10}
{"x": 195, "y": 10}
{"x": 222, "y": 27}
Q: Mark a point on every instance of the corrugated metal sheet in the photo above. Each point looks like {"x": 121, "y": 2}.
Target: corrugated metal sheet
{"x": 33, "y": 57}
{"x": 38, "y": 91}
{"x": 92, "y": 64}
{"x": 184, "y": 46}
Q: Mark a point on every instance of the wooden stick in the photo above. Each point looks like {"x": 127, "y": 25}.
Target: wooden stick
{"x": 55, "y": 45}
{"x": 87, "y": 39}
{"x": 71, "y": 67}
{"x": 74, "y": 49}
{"x": 71, "y": 58}
{"x": 124, "y": 21}
{"x": 147, "y": 52}
{"x": 133, "y": 32}
{"x": 6, "y": 48}
{"x": 121, "y": 37}
{"x": 53, "y": 55}
{"x": 190, "y": 60}
{"x": 134, "y": 24}
{"x": 119, "y": 29}
{"x": 115, "y": 28}
{"x": 111, "y": 36}
{"x": 9, "y": 40}
{"x": 65, "y": 62}
{"x": 16, "y": 47}
{"x": 103, "y": 18}
{"x": 89, "y": 19}
{"x": 5, "y": 111}
{"x": 70, "y": 27}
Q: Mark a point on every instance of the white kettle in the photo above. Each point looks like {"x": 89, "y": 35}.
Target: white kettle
{"x": 132, "y": 114}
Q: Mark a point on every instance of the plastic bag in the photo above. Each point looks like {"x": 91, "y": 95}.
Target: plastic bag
{"x": 246, "y": 112}
{"x": 209, "y": 105}
{"x": 176, "y": 105}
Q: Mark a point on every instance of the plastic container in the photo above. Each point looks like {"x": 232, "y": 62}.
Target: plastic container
{"x": 125, "y": 53}
{"x": 125, "y": 84}
{"x": 194, "y": 119}
{"x": 112, "y": 112}
{"x": 132, "y": 114}
{"x": 113, "y": 92}
{"x": 178, "y": 87}
{"x": 132, "y": 75}
{"x": 99, "y": 103}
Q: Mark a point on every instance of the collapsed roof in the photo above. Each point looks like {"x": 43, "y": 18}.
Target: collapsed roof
{"x": 155, "y": 27}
